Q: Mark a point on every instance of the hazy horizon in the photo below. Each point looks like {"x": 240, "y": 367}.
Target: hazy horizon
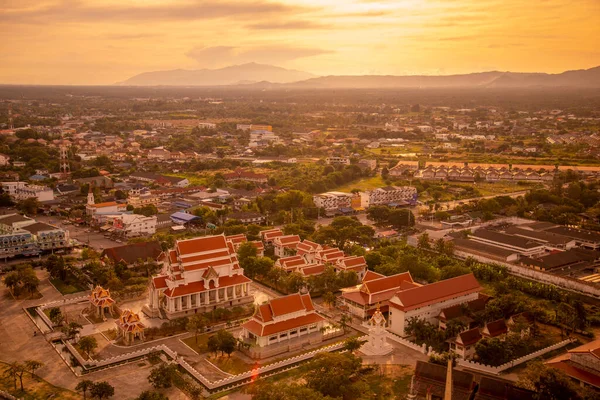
{"x": 103, "y": 42}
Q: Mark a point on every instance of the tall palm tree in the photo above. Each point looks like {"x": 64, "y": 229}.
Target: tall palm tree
{"x": 83, "y": 386}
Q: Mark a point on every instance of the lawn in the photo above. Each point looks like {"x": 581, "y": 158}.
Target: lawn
{"x": 363, "y": 184}
{"x": 34, "y": 388}
{"x": 65, "y": 288}
{"x": 199, "y": 347}
{"x": 499, "y": 188}
{"x": 232, "y": 365}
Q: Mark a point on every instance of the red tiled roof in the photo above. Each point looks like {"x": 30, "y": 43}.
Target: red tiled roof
{"x": 469, "y": 337}
{"x": 268, "y": 329}
{"x": 436, "y": 292}
{"x": 287, "y": 240}
{"x": 313, "y": 270}
{"x": 213, "y": 263}
{"x": 353, "y": 261}
{"x": 286, "y": 305}
{"x": 201, "y": 244}
{"x": 216, "y": 254}
{"x": 386, "y": 283}
{"x": 173, "y": 256}
{"x": 496, "y": 328}
{"x": 258, "y": 244}
{"x": 196, "y": 287}
{"x": 160, "y": 282}
{"x": 370, "y": 275}
{"x": 236, "y": 239}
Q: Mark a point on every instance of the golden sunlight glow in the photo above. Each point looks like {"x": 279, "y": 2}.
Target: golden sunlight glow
{"x": 105, "y": 41}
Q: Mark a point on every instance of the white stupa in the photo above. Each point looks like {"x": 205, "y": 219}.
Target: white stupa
{"x": 377, "y": 344}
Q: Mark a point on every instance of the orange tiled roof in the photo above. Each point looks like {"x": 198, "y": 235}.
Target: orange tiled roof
{"x": 196, "y": 287}
{"x": 259, "y": 329}
{"x": 435, "y": 292}
{"x": 201, "y": 244}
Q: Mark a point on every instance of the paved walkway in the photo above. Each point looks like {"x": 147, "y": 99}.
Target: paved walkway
{"x": 17, "y": 343}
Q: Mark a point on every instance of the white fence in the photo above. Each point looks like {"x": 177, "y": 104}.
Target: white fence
{"x": 59, "y": 303}
{"x": 407, "y": 343}
{"x": 517, "y": 361}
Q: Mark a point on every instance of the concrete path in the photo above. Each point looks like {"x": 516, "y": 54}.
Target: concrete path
{"x": 17, "y": 343}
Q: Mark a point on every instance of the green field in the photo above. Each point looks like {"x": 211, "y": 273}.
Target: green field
{"x": 63, "y": 288}
{"x": 363, "y": 184}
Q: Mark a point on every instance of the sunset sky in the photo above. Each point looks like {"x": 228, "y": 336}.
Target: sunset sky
{"x": 106, "y": 41}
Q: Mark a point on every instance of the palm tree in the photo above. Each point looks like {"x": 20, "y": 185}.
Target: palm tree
{"x": 83, "y": 386}
{"x": 344, "y": 321}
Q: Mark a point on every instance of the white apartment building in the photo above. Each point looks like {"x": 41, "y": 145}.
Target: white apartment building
{"x": 132, "y": 225}
{"x": 337, "y": 161}
{"x": 333, "y": 200}
{"x": 207, "y": 125}
{"x": 387, "y": 195}
{"x": 22, "y": 191}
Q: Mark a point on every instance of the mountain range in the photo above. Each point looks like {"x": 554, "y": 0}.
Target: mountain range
{"x": 269, "y": 76}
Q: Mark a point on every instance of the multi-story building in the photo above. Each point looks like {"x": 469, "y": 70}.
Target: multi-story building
{"x": 389, "y": 195}
{"x": 20, "y": 235}
{"x": 207, "y": 125}
{"x": 133, "y": 225}
{"x": 200, "y": 275}
{"x": 22, "y": 191}
{"x": 337, "y": 160}
{"x": 333, "y": 200}
{"x": 582, "y": 364}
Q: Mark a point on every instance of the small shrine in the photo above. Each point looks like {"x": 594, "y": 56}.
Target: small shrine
{"x": 101, "y": 300}
{"x": 130, "y": 327}
{"x": 377, "y": 344}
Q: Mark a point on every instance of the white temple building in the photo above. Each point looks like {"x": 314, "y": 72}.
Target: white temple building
{"x": 200, "y": 275}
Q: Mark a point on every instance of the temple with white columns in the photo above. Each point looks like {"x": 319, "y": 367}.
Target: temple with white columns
{"x": 200, "y": 275}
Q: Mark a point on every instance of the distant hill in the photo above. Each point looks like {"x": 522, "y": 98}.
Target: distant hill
{"x": 268, "y": 76}
{"x": 233, "y": 75}
{"x": 494, "y": 79}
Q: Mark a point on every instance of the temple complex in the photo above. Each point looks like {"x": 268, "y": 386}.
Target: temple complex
{"x": 200, "y": 275}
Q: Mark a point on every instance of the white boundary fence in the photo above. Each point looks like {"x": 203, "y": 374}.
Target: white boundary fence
{"x": 230, "y": 381}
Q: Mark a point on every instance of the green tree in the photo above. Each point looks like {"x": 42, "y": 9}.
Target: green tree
{"x": 245, "y": 251}
{"x": 332, "y": 374}
{"x": 83, "y": 386}
{"x": 88, "y": 344}
{"x": 55, "y": 315}
{"x": 12, "y": 281}
{"x": 29, "y": 206}
{"x": 352, "y": 344}
{"x": 150, "y": 395}
{"x": 548, "y": 383}
{"x": 227, "y": 342}
{"x": 32, "y": 365}
{"x": 284, "y": 391}
{"x": 423, "y": 242}
{"x": 162, "y": 376}
{"x": 329, "y": 299}
{"x": 16, "y": 371}
{"x": 196, "y": 323}
{"x": 72, "y": 329}
{"x": 102, "y": 390}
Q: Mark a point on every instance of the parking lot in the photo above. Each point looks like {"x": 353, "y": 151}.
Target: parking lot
{"x": 83, "y": 234}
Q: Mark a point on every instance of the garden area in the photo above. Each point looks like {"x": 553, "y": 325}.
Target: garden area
{"x": 34, "y": 387}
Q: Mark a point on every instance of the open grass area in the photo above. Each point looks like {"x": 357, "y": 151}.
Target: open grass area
{"x": 232, "y": 365}
{"x": 35, "y": 388}
{"x": 199, "y": 346}
{"x": 362, "y": 184}
{"x": 65, "y": 288}
{"x": 499, "y": 188}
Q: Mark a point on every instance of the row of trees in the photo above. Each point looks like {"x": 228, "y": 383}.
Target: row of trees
{"x": 22, "y": 279}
